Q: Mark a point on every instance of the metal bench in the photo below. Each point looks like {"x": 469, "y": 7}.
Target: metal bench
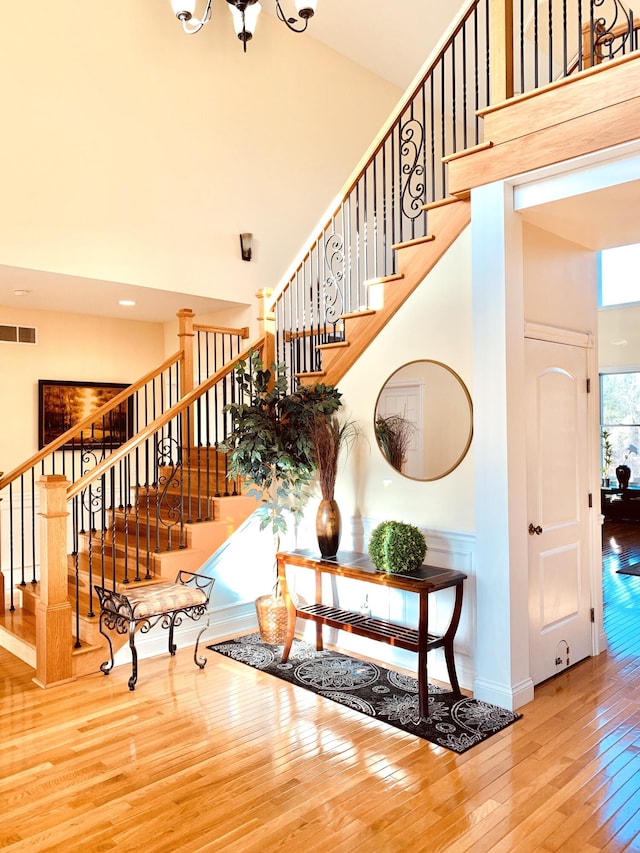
{"x": 144, "y": 607}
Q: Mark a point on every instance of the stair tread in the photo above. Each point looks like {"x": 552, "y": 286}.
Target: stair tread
{"x": 335, "y": 345}
{"x": 21, "y": 623}
{"x": 365, "y": 312}
{"x": 428, "y": 238}
{"x": 433, "y": 205}
{"x": 384, "y": 279}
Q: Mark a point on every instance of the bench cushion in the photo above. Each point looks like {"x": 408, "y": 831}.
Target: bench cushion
{"x": 163, "y": 598}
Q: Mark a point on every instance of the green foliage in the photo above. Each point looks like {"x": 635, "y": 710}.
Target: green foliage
{"x": 607, "y": 452}
{"x": 397, "y": 547}
{"x": 270, "y": 444}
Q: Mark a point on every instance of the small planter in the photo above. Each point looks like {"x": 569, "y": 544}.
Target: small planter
{"x": 273, "y": 619}
{"x": 397, "y": 547}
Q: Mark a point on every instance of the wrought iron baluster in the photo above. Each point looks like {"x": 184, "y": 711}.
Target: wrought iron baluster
{"x": 76, "y": 569}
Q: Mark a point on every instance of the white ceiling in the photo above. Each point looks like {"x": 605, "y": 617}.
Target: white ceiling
{"x": 392, "y": 38}
{"x": 601, "y": 219}
{"x": 47, "y": 291}
{"x": 594, "y": 201}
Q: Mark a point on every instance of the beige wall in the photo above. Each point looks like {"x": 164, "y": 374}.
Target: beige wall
{"x": 560, "y": 281}
{"x": 71, "y": 347}
{"x": 434, "y": 323}
{"x": 133, "y": 152}
{"x": 619, "y": 337}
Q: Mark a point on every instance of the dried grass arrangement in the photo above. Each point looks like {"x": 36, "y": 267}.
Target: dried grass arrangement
{"x": 394, "y": 435}
{"x": 329, "y": 435}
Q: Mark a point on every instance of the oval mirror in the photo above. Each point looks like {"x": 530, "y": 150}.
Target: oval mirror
{"x": 424, "y": 420}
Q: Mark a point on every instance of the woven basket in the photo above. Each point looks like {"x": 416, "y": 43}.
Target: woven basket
{"x": 273, "y": 619}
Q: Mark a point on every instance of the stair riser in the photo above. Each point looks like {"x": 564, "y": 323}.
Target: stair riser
{"x": 192, "y": 482}
{"x": 134, "y": 536}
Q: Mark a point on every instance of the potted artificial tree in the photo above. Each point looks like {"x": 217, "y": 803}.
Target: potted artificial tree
{"x": 270, "y": 448}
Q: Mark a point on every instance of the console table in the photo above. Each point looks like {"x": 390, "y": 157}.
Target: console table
{"x": 350, "y": 564}
{"x": 621, "y": 504}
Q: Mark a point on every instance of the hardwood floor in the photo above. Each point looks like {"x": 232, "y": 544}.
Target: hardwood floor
{"x": 229, "y": 759}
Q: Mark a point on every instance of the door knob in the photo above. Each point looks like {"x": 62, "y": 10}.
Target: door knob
{"x": 534, "y": 529}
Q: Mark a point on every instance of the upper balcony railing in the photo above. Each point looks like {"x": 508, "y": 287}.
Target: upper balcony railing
{"x": 495, "y": 48}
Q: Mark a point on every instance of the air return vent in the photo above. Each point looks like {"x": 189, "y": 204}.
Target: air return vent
{"x": 18, "y": 334}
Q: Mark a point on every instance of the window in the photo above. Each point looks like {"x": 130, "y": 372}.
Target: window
{"x": 619, "y": 282}
{"x": 620, "y": 418}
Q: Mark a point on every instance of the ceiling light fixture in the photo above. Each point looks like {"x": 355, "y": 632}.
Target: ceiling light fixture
{"x": 245, "y": 16}
{"x": 126, "y": 303}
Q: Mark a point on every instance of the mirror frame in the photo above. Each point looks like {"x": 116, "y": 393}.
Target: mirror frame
{"x": 469, "y": 437}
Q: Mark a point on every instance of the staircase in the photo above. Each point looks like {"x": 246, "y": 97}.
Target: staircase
{"x": 131, "y": 565}
{"x": 415, "y": 259}
{"x": 118, "y": 517}
{"x": 407, "y": 200}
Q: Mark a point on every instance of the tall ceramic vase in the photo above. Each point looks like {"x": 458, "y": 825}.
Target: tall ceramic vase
{"x": 623, "y": 473}
{"x": 328, "y": 527}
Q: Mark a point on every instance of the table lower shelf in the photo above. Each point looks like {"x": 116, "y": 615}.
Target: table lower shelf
{"x": 367, "y": 626}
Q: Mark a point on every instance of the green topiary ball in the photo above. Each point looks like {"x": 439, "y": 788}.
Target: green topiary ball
{"x": 397, "y": 547}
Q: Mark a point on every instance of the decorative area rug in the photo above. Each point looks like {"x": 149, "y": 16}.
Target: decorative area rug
{"x": 456, "y": 724}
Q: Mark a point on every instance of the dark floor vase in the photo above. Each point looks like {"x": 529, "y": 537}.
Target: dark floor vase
{"x": 623, "y": 473}
{"x": 328, "y": 528}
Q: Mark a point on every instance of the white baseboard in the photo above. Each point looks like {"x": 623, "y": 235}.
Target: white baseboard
{"x": 502, "y": 695}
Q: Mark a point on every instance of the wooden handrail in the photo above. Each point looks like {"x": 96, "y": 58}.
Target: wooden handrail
{"x": 221, "y": 330}
{"x": 86, "y": 422}
{"x": 414, "y": 87}
{"x": 159, "y": 422}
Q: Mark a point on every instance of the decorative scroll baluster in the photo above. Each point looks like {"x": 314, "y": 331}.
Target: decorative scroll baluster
{"x": 412, "y": 170}
{"x": 333, "y": 296}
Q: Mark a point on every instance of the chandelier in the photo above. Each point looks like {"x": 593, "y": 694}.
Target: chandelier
{"x": 245, "y": 16}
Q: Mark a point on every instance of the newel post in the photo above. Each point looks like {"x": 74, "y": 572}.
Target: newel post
{"x": 54, "y": 640}
{"x": 185, "y": 338}
{"x": 267, "y": 321}
{"x": 500, "y": 50}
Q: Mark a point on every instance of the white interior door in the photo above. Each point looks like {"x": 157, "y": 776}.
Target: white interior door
{"x": 558, "y": 506}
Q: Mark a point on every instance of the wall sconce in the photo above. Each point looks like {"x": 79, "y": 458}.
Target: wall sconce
{"x": 245, "y": 246}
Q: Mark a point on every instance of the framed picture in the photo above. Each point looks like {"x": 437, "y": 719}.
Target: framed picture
{"x": 63, "y": 404}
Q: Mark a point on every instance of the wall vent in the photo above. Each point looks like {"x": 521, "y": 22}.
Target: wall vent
{"x": 18, "y": 334}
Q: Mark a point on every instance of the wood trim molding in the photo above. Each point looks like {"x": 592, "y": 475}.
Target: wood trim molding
{"x": 553, "y": 334}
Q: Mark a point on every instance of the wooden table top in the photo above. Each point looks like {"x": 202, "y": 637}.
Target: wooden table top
{"x": 352, "y": 564}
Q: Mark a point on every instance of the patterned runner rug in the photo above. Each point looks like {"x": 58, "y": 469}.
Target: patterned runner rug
{"x": 456, "y": 724}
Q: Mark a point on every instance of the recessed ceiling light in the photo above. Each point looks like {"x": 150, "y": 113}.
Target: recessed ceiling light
{"x": 126, "y": 302}
{"x": 20, "y": 292}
